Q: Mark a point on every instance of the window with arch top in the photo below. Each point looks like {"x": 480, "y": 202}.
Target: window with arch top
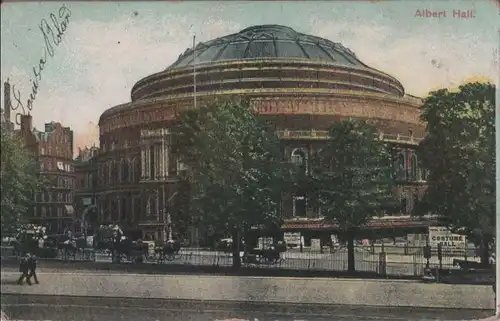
{"x": 299, "y": 158}
{"x": 124, "y": 168}
{"x": 400, "y": 166}
{"x": 415, "y": 169}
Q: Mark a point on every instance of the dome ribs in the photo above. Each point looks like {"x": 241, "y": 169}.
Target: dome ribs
{"x": 217, "y": 56}
{"x": 275, "y": 48}
{"x": 303, "y": 50}
{"x": 259, "y": 41}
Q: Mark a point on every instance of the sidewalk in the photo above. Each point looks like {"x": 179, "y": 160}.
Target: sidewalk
{"x": 257, "y": 289}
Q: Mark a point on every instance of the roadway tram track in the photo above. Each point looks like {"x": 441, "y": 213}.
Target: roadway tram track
{"x": 301, "y": 310}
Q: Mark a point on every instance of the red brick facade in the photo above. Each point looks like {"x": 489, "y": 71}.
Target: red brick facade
{"x": 126, "y": 198}
{"x": 53, "y": 149}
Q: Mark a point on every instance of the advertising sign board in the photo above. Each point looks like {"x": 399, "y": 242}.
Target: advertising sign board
{"x": 442, "y": 235}
{"x": 292, "y": 238}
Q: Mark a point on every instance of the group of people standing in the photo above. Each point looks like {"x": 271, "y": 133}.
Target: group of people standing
{"x": 27, "y": 267}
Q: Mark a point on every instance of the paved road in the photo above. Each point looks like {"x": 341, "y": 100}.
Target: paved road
{"x": 110, "y": 309}
{"x": 328, "y": 291}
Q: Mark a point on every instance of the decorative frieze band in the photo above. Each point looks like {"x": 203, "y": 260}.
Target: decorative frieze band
{"x": 347, "y": 108}
{"x": 281, "y": 105}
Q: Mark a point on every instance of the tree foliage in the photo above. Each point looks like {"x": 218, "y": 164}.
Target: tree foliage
{"x": 235, "y": 165}
{"x": 352, "y": 178}
{"x": 459, "y": 152}
{"x": 19, "y": 180}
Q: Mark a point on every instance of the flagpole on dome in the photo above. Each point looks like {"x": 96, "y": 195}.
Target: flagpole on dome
{"x": 194, "y": 69}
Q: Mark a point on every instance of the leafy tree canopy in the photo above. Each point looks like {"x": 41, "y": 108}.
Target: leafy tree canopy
{"x": 459, "y": 153}
{"x": 235, "y": 165}
{"x": 19, "y": 179}
{"x": 353, "y": 178}
{"x": 353, "y": 175}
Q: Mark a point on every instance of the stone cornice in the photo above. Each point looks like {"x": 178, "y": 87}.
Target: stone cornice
{"x": 265, "y": 62}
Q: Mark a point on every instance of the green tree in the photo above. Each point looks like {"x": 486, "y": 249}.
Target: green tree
{"x": 353, "y": 179}
{"x": 459, "y": 153}
{"x": 235, "y": 166}
{"x": 19, "y": 180}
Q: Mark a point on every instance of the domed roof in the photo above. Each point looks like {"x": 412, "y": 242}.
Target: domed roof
{"x": 268, "y": 41}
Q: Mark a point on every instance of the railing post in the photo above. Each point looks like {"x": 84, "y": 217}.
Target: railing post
{"x": 440, "y": 255}
{"x": 382, "y": 263}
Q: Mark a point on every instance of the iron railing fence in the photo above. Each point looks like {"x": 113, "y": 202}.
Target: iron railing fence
{"x": 386, "y": 260}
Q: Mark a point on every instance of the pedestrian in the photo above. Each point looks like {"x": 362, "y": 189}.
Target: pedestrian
{"x": 24, "y": 269}
{"x": 32, "y": 262}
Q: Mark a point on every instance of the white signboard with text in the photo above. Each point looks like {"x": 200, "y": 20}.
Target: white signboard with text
{"x": 265, "y": 242}
{"x": 447, "y": 239}
{"x": 292, "y": 238}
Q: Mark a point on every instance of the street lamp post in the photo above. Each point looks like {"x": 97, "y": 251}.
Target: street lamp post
{"x": 167, "y": 219}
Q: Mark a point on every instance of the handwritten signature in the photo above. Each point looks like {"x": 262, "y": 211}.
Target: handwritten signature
{"x": 52, "y": 32}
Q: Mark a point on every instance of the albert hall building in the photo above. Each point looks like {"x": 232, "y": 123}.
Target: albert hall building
{"x": 298, "y": 83}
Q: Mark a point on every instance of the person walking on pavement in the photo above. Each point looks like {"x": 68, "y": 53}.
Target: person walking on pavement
{"x": 32, "y": 262}
{"x": 24, "y": 269}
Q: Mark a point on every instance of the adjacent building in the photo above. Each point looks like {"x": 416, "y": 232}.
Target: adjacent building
{"x": 53, "y": 151}
{"x": 5, "y": 114}
{"x": 86, "y": 186}
{"x": 299, "y": 83}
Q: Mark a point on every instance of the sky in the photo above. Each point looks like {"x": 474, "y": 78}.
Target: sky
{"x": 108, "y": 46}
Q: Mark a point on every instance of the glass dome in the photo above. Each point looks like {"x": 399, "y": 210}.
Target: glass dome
{"x": 268, "y": 41}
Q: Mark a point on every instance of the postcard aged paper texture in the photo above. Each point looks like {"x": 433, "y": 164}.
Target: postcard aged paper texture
{"x": 258, "y": 160}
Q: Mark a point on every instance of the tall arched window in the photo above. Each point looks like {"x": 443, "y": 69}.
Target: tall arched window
{"x": 415, "y": 168}
{"x": 300, "y": 205}
{"x": 403, "y": 202}
{"x": 124, "y": 170}
{"x": 148, "y": 207}
{"x": 401, "y": 166}
{"x": 299, "y": 158}
{"x": 115, "y": 171}
{"x": 105, "y": 174}
{"x": 131, "y": 167}
{"x": 110, "y": 172}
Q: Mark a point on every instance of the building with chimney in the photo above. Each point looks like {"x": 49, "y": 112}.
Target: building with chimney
{"x": 53, "y": 151}
{"x": 86, "y": 184}
{"x": 5, "y": 113}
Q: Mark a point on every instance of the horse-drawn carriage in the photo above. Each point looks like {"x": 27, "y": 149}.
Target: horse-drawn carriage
{"x": 31, "y": 239}
{"x": 168, "y": 251}
{"x": 270, "y": 255}
{"x": 75, "y": 248}
{"x": 111, "y": 238}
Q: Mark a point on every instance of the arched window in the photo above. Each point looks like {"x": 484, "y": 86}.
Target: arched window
{"x": 110, "y": 172}
{"x": 137, "y": 169}
{"x": 115, "y": 171}
{"x": 299, "y": 205}
{"x": 100, "y": 175}
{"x": 415, "y": 168}
{"x": 401, "y": 166}
{"x": 148, "y": 207}
{"x": 123, "y": 208}
{"x": 124, "y": 170}
{"x": 403, "y": 203}
{"x": 299, "y": 158}
{"x": 131, "y": 167}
